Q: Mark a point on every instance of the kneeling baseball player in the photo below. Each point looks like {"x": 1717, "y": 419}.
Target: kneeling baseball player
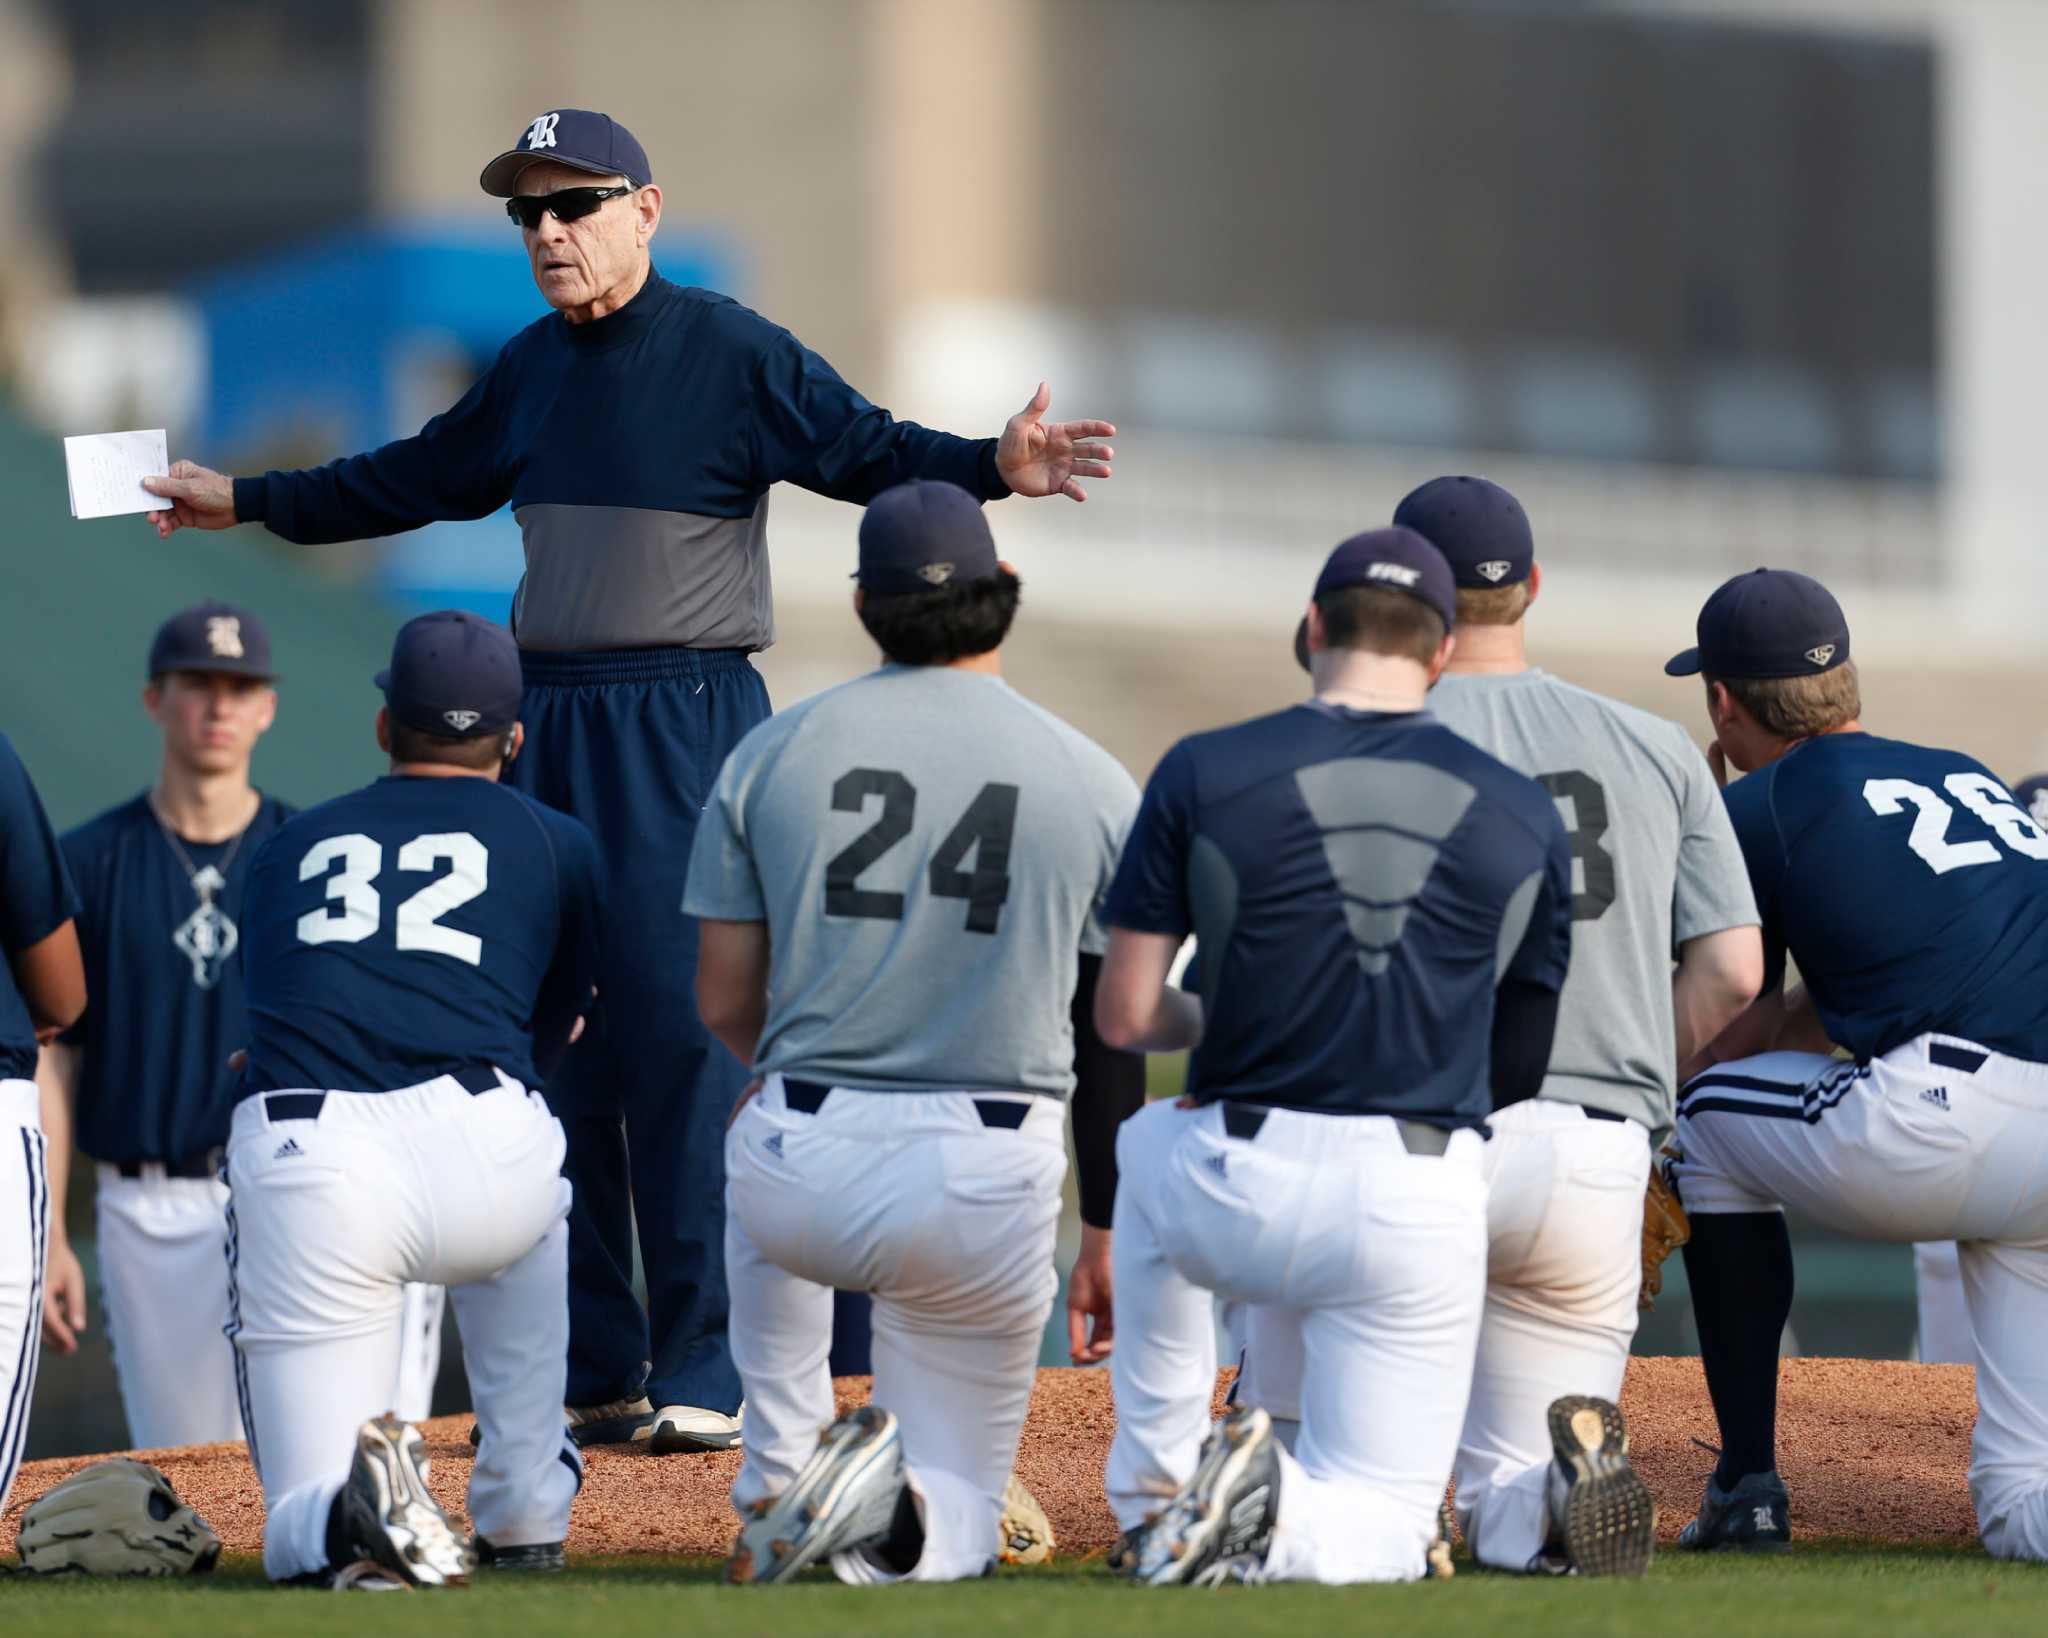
{"x": 897, "y": 881}
{"x": 1912, "y": 891}
{"x": 1383, "y": 912}
{"x": 418, "y": 955}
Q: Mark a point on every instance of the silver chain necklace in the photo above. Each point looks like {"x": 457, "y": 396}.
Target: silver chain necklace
{"x": 192, "y": 872}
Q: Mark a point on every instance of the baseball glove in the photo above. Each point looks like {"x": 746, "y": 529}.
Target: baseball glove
{"x": 1665, "y": 1229}
{"x": 1025, "y": 1531}
{"x": 117, "y": 1517}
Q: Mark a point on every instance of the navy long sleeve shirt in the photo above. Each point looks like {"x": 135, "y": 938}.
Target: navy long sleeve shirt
{"x": 637, "y": 451}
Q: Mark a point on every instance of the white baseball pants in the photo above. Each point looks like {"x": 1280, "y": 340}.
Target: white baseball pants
{"x": 1937, "y": 1140}
{"x": 163, "y": 1268}
{"x": 331, "y": 1214}
{"x": 1372, "y": 1257}
{"x": 1944, "y": 1318}
{"x": 24, "y": 1243}
{"x": 949, "y": 1222}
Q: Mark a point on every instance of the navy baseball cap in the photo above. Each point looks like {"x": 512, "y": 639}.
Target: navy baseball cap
{"x": 212, "y": 636}
{"x": 1397, "y": 558}
{"x": 924, "y": 534}
{"x": 453, "y": 674}
{"x": 2033, "y": 796}
{"x": 1767, "y": 623}
{"x": 1479, "y": 527}
{"x": 575, "y": 137}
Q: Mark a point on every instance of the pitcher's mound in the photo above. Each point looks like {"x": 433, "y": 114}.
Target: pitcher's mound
{"x": 1870, "y": 1449}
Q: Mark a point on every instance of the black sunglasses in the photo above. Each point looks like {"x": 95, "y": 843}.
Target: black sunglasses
{"x": 568, "y": 204}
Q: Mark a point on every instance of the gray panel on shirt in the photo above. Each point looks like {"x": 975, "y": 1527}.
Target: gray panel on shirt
{"x": 1654, "y": 863}
{"x": 928, "y": 849}
{"x": 636, "y": 577}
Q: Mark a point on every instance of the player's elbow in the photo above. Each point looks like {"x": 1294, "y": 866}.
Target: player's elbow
{"x": 1729, "y": 971}
{"x": 1120, "y": 1017}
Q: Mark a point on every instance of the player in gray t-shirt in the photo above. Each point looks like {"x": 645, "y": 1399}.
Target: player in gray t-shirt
{"x": 897, "y": 881}
{"x": 1657, "y": 875}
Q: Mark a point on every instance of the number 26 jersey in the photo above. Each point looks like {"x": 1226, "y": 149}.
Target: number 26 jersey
{"x": 1909, "y": 887}
{"x": 417, "y": 927}
{"x": 927, "y": 849}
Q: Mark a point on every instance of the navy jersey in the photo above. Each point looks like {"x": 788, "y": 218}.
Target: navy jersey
{"x": 414, "y": 928}
{"x": 1909, "y": 887}
{"x": 164, "y": 977}
{"x": 1360, "y": 884}
{"x": 36, "y": 898}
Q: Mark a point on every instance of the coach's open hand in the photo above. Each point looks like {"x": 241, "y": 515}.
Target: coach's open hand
{"x": 200, "y": 499}
{"x": 1040, "y": 457}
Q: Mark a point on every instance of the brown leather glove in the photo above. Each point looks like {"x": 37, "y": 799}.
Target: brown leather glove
{"x": 1665, "y": 1229}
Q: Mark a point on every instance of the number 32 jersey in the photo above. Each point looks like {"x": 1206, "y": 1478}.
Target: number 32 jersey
{"x": 1909, "y": 887}
{"x": 927, "y": 848}
{"x": 414, "y": 928}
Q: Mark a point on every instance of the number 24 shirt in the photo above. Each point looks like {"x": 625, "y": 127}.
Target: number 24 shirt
{"x": 928, "y": 849}
{"x": 1909, "y": 887}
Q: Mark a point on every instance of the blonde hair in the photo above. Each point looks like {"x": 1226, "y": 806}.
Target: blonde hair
{"x": 1799, "y": 707}
{"x": 1493, "y": 605}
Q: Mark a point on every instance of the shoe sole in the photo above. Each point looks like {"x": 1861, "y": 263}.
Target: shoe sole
{"x": 1195, "y": 1530}
{"x": 1610, "y": 1518}
{"x": 669, "y": 1440}
{"x": 614, "y": 1430}
{"x": 400, "y": 1500}
{"x": 786, "y": 1539}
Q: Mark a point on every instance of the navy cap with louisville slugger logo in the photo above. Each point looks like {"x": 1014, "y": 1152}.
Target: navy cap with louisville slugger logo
{"x": 1767, "y": 623}
{"x": 1397, "y": 559}
{"x": 453, "y": 674}
{"x": 212, "y": 636}
{"x": 1479, "y": 527}
{"x": 921, "y": 535}
{"x": 576, "y": 137}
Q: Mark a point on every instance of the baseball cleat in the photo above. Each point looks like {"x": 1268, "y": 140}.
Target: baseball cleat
{"x": 623, "y": 1422}
{"x": 1024, "y": 1536}
{"x": 389, "y": 1517}
{"x": 844, "y": 1498}
{"x": 677, "y": 1429}
{"x": 544, "y": 1557}
{"x": 1755, "y": 1516}
{"x": 365, "y": 1576}
{"x": 1601, "y": 1512}
{"x": 1218, "y": 1525}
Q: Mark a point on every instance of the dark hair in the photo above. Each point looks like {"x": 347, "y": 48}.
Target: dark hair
{"x": 1381, "y": 620}
{"x": 1799, "y": 707}
{"x": 417, "y": 745}
{"x": 945, "y": 624}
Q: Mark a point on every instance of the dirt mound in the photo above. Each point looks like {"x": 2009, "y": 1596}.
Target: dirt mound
{"x": 1870, "y": 1449}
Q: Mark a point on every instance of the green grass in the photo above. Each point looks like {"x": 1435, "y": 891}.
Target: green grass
{"x": 1845, "y": 1588}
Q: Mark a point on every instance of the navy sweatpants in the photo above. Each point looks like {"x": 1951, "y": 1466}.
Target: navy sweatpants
{"x": 630, "y": 741}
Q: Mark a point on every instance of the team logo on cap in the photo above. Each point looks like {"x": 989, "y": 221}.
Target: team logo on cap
{"x": 1399, "y": 573}
{"x": 1496, "y": 571}
{"x": 541, "y": 133}
{"x": 935, "y": 574}
{"x": 462, "y": 721}
{"x": 224, "y": 636}
{"x": 1820, "y": 656}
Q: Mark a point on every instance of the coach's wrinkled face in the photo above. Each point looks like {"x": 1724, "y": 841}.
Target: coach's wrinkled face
{"x": 585, "y": 268}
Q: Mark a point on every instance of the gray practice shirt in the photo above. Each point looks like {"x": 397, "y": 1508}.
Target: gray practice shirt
{"x": 1654, "y": 863}
{"x": 928, "y": 849}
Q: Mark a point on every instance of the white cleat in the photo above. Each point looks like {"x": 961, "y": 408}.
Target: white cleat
{"x": 844, "y": 1498}
{"x": 389, "y": 1515}
{"x": 1219, "y": 1524}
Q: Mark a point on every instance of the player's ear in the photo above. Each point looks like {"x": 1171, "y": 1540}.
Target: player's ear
{"x": 515, "y": 741}
{"x": 153, "y": 697}
{"x": 1535, "y": 581}
{"x": 1318, "y": 640}
{"x": 1444, "y": 650}
{"x": 384, "y": 730}
{"x": 860, "y": 599}
{"x": 268, "y": 715}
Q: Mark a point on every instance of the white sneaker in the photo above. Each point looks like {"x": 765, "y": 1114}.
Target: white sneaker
{"x": 685, "y": 1428}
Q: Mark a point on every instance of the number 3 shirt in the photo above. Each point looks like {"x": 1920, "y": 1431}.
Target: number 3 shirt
{"x": 928, "y": 849}
{"x": 1654, "y": 864}
{"x": 417, "y": 927}
{"x": 1909, "y": 887}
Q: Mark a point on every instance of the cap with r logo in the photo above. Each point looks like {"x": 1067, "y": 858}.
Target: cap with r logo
{"x": 575, "y": 137}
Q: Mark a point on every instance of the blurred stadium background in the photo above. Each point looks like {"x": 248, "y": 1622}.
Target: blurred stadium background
{"x": 1709, "y": 283}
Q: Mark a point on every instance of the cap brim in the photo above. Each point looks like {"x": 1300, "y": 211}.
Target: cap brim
{"x": 501, "y": 175}
{"x": 1301, "y": 644}
{"x": 1686, "y": 664}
